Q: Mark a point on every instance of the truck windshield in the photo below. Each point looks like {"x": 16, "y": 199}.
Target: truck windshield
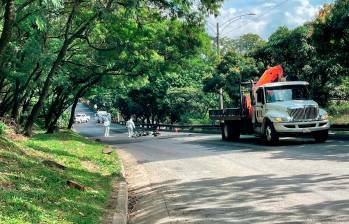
{"x": 287, "y": 92}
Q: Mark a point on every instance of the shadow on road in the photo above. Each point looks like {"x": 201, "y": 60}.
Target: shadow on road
{"x": 251, "y": 199}
{"x": 291, "y": 149}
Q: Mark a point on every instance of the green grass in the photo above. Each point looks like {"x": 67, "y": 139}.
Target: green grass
{"x": 31, "y": 192}
{"x": 339, "y": 112}
{"x": 340, "y": 119}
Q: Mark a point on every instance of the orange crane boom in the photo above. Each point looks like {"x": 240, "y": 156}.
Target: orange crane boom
{"x": 270, "y": 75}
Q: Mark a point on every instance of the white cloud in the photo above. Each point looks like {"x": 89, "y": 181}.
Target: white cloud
{"x": 301, "y": 12}
{"x": 270, "y": 14}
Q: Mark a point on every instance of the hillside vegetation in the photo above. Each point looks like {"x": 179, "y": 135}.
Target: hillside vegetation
{"x": 32, "y": 192}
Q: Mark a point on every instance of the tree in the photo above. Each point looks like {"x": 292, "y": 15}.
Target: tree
{"x": 233, "y": 69}
{"x": 9, "y": 17}
{"x": 60, "y": 50}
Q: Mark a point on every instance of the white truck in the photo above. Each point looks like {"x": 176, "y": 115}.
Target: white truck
{"x": 277, "y": 109}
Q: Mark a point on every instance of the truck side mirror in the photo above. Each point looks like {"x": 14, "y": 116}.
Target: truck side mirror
{"x": 263, "y": 96}
{"x": 253, "y": 100}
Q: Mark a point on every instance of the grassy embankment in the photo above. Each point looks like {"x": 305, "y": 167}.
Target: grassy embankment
{"x": 339, "y": 112}
{"x": 31, "y": 192}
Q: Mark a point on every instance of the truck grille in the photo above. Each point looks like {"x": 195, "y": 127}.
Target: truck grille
{"x": 305, "y": 113}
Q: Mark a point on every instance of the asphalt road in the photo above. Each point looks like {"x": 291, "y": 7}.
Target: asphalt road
{"x": 197, "y": 178}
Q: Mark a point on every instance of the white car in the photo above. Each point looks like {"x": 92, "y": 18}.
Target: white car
{"x": 81, "y": 118}
{"x": 101, "y": 116}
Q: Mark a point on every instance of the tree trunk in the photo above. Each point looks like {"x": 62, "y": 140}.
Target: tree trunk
{"x": 28, "y": 129}
{"x": 148, "y": 122}
{"x": 79, "y": 94}
{"x": 9, "y": 18}
{"x": 72, "y": 113}
{"x": 53, "y": 108}
{"x": 73, "y": 108}
{"x": 6, "y": 104}
{"x": 15, "y": 106}
{"x": 26, "y": 100}
{"x": 59, "y": 110}
{"x": 53, "y": 123}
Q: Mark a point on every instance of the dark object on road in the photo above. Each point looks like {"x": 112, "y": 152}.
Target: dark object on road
{"x": 140, "y": 133}
{"x": 53, "y": 164}
{"x": 156, "y": 133}
{"x": 75, "y": 185}
{"x": 98, "y": 140}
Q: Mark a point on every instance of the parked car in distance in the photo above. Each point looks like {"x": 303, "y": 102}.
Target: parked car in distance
{"x": 101, "y": 116}
{"x": 81, "y": 118}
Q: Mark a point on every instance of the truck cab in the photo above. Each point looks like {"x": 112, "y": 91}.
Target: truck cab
{"x": 286, "y": 109}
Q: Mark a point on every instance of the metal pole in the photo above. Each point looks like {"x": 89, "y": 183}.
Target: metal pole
{"x": 221, "y": 102}
{"x": 217, "y": 39}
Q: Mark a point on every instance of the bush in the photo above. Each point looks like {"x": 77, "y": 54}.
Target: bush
{"x": 338, "y": 108}
{"x": 339, "y": 112}
{"x": 63, "y": 121}
{"x": 2, "y": 128}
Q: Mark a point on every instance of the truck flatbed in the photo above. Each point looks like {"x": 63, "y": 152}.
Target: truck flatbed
{"x": 232, "y": 114}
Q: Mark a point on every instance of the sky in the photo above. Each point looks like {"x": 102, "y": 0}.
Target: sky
{"x": 270, "y": 14}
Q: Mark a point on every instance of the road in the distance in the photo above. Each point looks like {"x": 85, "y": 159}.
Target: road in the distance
{"x": 197, "y": 178}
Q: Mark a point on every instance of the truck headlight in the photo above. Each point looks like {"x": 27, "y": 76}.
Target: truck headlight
{"x": 279, "y": 119}
{"x": 282, "y": 119}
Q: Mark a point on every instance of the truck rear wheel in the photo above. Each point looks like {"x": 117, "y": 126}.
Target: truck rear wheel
{"x": 270, "y": 135}
{"x": 320, "y": 136}
{"x": 230, "y": 131}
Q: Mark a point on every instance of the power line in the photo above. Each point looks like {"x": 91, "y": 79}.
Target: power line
{"x": 270, "y": 10}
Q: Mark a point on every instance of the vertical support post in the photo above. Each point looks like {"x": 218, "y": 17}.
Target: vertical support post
{"x": 221, "y": 105}
{"x": 217, "y": 40}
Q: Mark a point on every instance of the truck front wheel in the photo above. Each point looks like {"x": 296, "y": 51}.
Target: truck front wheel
{"x": 320, "y": 136}
{"x": 271, "y": 136}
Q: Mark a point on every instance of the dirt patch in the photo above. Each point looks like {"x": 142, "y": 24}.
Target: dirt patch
{"x": 3, "y": 160}
{"x": 110, "y": 208}
{"x": 6, "y": 185}
{"x": 17, "y": 137}
{"x": 90, "y": 166}
{"x": 6, "y": 161}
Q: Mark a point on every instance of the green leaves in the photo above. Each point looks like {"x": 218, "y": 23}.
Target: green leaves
{"x": 54, "y": 3}
{"x": 40, "y": 23}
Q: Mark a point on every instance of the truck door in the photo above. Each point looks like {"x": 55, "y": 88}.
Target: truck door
{"x": 259, "y": 107}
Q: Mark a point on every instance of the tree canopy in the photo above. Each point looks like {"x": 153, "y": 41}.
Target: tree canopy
{"x": 151, "y": 59}
{"x": 53, "y": 52}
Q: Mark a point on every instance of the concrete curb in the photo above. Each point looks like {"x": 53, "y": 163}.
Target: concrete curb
{"x": 121, "y": 212}
{"x": 123, "y": 172}
{"x": 120, "y": 215}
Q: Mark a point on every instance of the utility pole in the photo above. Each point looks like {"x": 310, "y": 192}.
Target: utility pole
{"x": 221, "y": 102}
{"x": 225, "y": 25}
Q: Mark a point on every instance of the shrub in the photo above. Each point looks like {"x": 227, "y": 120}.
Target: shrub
{"x": 2, "y": 128}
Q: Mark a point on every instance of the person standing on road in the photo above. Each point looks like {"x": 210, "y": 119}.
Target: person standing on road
{"x": 106, "y": 124}
{"x": 109, "y": 117}
{"x": 130, "y": 126}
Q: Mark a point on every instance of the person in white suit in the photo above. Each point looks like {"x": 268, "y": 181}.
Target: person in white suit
{"x": 130, "y": 126}
{"x": 106, "y": 124}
